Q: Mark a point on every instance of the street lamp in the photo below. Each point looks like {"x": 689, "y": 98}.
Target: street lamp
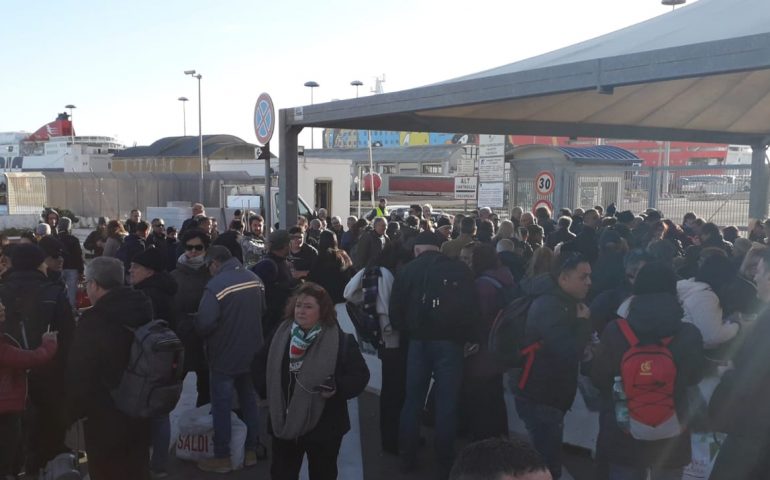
{"x": 673, "y": 3}
{"x": 311, "y": 85}
{"x": 357, "y": 83}
{"x": 200, "y": 132}
{"x": 72, "y": 127}
{"x": 184, "y": 114}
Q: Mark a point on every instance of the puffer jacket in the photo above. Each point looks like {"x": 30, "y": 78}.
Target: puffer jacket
{"x": 652, "y": 317}
{"x": 702, "y": 309}
{"x": 552, "y": 319}
{"x": 14, "y": 363}
{"x": 230, "y": 318}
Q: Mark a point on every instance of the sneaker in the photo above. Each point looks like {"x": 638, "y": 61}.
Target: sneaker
{"x": 250, "y": 459}
{"x": 216, "y": 465}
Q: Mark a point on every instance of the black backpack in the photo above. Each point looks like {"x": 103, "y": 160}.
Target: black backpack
{"x": 367, "y": 325}
{"x": 152, "y": 380}
{"x": 447, "y": 285}
{"x": 507, "y": 335}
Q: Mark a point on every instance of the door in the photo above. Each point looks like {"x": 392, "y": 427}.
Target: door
{"x": 323, "y": 194}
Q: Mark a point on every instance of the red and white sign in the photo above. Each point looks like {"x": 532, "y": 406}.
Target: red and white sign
{"x": 544, "y": 183}
{"x": 542, "y": 203}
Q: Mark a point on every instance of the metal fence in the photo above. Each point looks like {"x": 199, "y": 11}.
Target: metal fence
{"x": 718, "y": 194}
{"x": 115, "y": 194}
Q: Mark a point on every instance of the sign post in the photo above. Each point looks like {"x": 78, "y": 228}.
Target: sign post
{"x": 264, "y": 125}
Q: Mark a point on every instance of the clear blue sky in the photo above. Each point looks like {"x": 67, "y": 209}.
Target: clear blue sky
{"x": 121, "y": 63}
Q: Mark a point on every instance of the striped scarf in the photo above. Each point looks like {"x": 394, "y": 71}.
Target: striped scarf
{"x": 300, "y": 342}
{"x": 370, "y": 284}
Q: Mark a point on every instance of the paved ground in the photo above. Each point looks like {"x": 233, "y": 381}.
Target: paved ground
{"x": 360, "y": 457}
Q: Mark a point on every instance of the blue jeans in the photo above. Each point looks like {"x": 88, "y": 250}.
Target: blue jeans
{"x": 161, "y": 439}
{"x": 222, "y": 404}
{"x": 444, "y": 361}
{"x": 622, "y": 472}
{"x": 545, "y": 426}
{"x": 71, "y": 278}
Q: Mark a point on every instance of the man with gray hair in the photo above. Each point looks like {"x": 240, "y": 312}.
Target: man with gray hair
{"x": 371, "y": 243}
{"x": 42, "y": 230}
{"x": 117, "y": 445}
{"x": 229, "y": 321}
{"x": 313, "y": 236}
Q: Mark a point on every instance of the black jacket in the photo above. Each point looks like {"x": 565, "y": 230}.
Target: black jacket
{"x": 190, "y": 284}
{"x": 96, "y": 364}
{"x": 369, "y": 247}
{"x": 409, "y": 314}
{"x": 93, "y": 237}
{"x": 515, "y": 263}
{"x": 559, "y": 236}
{"x": 73, "y": 254}
{"x": 160, "y": 289}
{"x": 232, "y": 241}
{"x": 605, "y": 306}
{"x": 279, "y": 284}
{"x": 351, "y": 376}
{"x": 327, "y": 272}
{"x": 587, "y": 243}
{"x": 552, "y": 320}
{"x": 607, "y": 273}
{"x": 652, "y": 317}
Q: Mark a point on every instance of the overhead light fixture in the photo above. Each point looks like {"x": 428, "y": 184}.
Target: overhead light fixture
{"x": 673, "y": 3}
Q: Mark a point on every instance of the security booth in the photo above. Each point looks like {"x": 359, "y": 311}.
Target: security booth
{"x": 571, "y": 177}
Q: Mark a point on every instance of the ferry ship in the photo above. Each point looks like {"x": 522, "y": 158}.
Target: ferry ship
{"x": 54, "y": 147}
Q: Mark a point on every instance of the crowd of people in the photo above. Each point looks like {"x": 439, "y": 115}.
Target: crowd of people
{"x": 658, "y": 324}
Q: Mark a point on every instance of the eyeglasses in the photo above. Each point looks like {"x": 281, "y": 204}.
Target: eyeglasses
{"x": 197, "y": 248}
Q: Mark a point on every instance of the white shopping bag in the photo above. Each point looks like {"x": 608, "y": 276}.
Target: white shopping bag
{"x": 705, "y": 447}
{"x": 195, "y": 440}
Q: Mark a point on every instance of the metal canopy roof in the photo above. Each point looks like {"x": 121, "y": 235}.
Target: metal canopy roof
{"x": 700, "y": 73}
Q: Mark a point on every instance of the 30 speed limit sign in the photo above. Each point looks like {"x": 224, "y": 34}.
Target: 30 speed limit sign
{"x": 544, "y": 183}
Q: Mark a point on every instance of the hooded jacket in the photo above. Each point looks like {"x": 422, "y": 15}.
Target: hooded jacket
{"x": 101, "y": 350}
{"x": 230, "y": 318}
{"x": 160, "y": 288}
{"x": 652, "y": 317}
{"x": 702, "y": 309}
{"x": 552, "y": 320}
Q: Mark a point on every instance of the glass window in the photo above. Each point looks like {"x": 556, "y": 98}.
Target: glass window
{"x": 432, "y": 169}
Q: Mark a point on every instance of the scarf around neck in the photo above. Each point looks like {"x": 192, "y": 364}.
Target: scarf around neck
{"x": 300, "y": 342}
{"x": 192, "y": 262}
{"x": 293, "y": 414}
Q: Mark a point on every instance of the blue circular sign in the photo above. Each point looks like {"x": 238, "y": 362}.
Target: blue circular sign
{"x": 264, "y": 118}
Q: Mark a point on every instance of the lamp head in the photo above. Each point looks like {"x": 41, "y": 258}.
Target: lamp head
{"x": 183, "y": 99}
{"x": 70, "y": 106}
{"x": 311, "y": 84}
{"x": 357, "y": 83}
{"x": 189, "y": 72}
{"x": 672, "y": 3}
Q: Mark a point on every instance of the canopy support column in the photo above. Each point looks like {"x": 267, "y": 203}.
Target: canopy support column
{"x": 288, "y": 171}
{"x": 760, "y": 176}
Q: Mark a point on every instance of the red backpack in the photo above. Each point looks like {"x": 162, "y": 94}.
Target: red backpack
{"x": 649, "y": 376}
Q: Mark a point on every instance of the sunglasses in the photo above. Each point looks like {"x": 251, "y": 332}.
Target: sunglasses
{"x": 159, "y": 225}
{"x": 197, "y": 248}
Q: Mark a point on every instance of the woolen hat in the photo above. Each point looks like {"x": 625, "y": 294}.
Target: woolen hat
{"x": 27, "y": 256}
{"x": 151, "y": 258}
{"x": 427, "y": 238}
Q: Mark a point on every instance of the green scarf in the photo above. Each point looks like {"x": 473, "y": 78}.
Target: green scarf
{"x": 300, "y": 342}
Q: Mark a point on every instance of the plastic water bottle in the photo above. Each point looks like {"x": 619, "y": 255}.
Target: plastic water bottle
{"x": 621, "y": 404}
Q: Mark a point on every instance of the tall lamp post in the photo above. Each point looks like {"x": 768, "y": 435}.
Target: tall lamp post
{"x": 71, "y": 107}
{"x": 357, "y": 83}
{"x": 311, "y": 85}
{"x": 184, "y": 114}
{"x": 193, "y": 74}
{"x": 673, "y": 3}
